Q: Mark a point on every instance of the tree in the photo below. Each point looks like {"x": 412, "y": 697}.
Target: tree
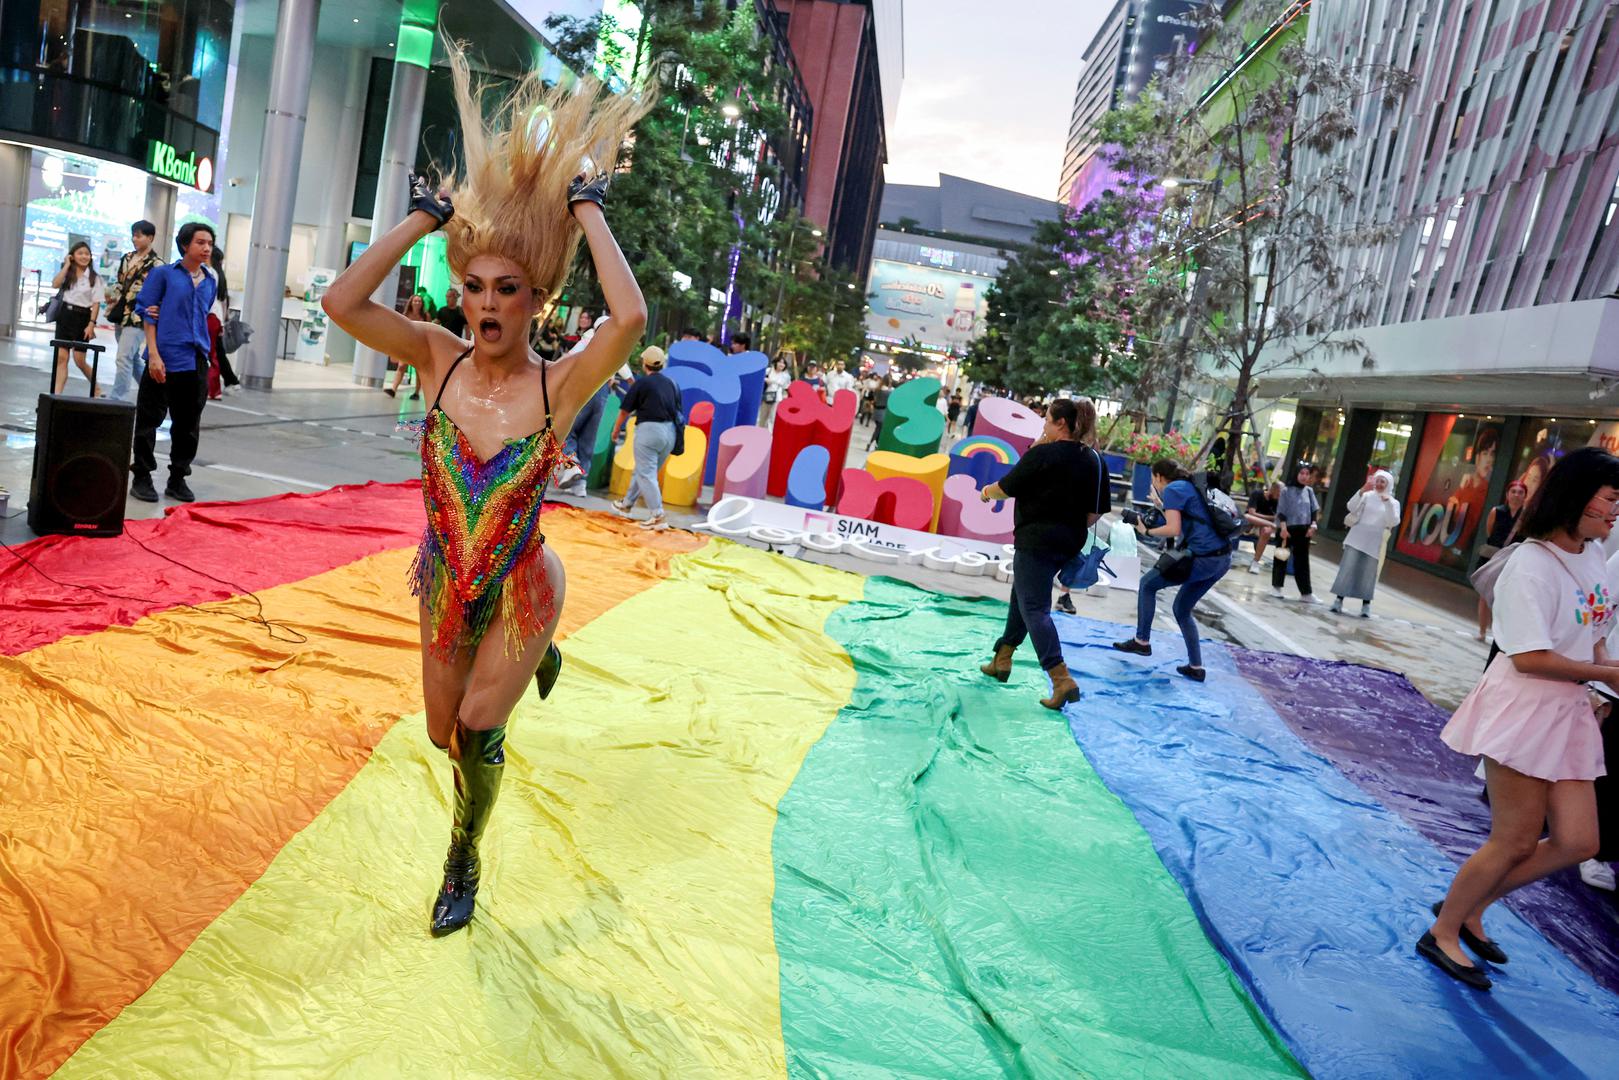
{"x": 1052, "y": 325}
{"x": 1229, "y": 164}
{"x": 698, "y": 195}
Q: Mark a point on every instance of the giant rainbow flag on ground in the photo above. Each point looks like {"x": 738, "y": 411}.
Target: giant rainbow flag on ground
{"x": 772, "y": 822}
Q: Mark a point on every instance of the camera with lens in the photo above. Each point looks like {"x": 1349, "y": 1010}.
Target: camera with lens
{"x": 1131, "y": 518}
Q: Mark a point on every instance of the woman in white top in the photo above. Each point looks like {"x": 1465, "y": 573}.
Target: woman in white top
{"x": 1531, "y": 716}
{"x": 1373, "y": 511}
{"x": 82, "y": 293}
{"x": 777, "y": 379}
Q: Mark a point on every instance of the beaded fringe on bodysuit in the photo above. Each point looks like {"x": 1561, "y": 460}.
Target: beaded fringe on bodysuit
{"x": 483, "y": 553}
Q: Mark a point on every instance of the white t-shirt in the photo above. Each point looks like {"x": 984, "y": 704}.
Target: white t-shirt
{"x": 838, "y": 380}
{"x": 1549, "y": 599}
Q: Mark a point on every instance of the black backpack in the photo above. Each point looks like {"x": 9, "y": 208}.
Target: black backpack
{"x": 1224, "y": 517}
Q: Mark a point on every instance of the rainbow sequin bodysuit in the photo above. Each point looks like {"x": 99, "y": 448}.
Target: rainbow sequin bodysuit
{"x": 482, "y": 553}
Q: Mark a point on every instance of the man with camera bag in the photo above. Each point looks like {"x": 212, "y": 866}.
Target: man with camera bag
{"x": 1197, "y": 557}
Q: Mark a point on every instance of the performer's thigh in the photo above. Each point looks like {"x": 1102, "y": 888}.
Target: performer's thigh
{"x": 497, "y": 682}
{"x": 444, "y": 682}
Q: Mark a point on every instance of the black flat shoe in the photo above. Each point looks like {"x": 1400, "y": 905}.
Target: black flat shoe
{"x": 1133, "y": 646}
{"x": 1196, "y": 674}
{"x": 1429, "y": 948}
{"x": 452, "y": 908}
{"x": 545, "y": 676}
{"x": 1483, "y": 948}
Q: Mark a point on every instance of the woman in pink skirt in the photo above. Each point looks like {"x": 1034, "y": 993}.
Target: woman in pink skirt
{"x": 1531, "y": 717}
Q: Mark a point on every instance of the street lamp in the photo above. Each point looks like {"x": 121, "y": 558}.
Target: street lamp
{"x": 730, "y": 110}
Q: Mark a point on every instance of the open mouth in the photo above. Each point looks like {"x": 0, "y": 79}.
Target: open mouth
{"x": 489, "y": 329}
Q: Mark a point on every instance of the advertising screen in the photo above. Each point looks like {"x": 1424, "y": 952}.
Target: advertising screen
{"x": 935, "y": 307}
{"x": 1448, "y": 488}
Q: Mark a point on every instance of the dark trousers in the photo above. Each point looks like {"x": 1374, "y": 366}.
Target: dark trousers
{"x": 180, "y": 397}
{"x": 1028, "y": 612}
{"x": 1206, "y": 570}
{"x": 1298, "y": 543}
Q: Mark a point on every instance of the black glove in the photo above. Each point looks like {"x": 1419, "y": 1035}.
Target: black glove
{"x": 592, "y": 190}
{"x": 424, "y": 197}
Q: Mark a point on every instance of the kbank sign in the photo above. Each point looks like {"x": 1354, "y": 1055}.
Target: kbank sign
{"x": 165, "y": 161}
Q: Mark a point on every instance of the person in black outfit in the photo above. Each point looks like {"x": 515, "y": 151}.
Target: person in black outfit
{"x": 450, "y": 316}
{"x": 1061, "y": 489}
{"x": 654, "y": 401}
{"x": 1499, "y": 525}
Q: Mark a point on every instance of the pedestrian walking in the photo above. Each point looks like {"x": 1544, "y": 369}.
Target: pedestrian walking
{"x": 221, "y": 376}
{"x": 879, "y": 411}
{"x": 952, "y": 412}
{"x": 741, "y": 343}
{"x": 1061, "y": 489}
{"x": 415, "y": 311}
{"x": 450, "y": 316}
{"x": 1373, "y": 511}
{"x": 1296, "y": 512}
{"x": 1499, "y": 528}
{"x": 1188, "y": 521}
{"x": 654, "y": 401}
{"x": 1531, "y": 717}
{"x": 175, "y": 382}
{"x": 1261, "y": 518}
{"x": 81, "y": 291}
{"x": 121, "y": 312}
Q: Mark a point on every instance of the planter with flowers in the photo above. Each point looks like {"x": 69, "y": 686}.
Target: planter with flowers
{"x": 1144, "y": 449}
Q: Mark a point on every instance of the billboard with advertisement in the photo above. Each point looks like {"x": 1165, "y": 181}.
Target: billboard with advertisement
{"x": 933, "y": 306}
{"x": 1449, "y": 487}
{"x": 1163, "y": 28}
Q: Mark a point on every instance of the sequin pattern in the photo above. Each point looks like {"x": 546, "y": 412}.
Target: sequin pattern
{"x": 483, "y": 553}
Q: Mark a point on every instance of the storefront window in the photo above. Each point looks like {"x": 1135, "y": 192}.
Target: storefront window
{"x": 1449, "y": 486}
{"x": 1541, "y": 442}
{"x": 1391, "y": 442}
{"x": 73, "y": 198}
{"x": 1322, "y": 450}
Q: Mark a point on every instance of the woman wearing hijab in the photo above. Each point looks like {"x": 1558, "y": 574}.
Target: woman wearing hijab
{"x": 1373, "y": 511}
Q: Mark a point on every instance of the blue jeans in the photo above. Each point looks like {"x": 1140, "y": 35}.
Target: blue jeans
{"x": 1206, "y": 570}
{"x": 1028, "y": 612}
{"x": 653, "y": 444}
{"x": 581, "y": 441}
{"x": 127, "y": 379}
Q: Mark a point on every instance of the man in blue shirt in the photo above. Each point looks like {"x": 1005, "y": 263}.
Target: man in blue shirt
{"x": 174, "y": 304}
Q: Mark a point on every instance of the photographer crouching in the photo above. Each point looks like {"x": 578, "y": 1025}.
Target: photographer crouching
{"x": 1196, "y": 558}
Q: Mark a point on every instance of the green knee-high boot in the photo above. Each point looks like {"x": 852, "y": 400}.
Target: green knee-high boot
{"x": 479, "y": 760}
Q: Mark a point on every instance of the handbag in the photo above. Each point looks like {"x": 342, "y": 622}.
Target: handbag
{"x": 1485, "y": 577}
{"x": 51, "y": 309}
{"x": 1175, "y": 565}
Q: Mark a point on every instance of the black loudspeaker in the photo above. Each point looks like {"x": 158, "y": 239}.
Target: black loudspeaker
{"x": 81, "y": 464}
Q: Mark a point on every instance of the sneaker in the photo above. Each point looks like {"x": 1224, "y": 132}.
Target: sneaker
{"x": 178, "y": 491}
{"x": 1309, "y": 598}
{"x": 1253, "y": 567}
{"x": 1598, "y": 875}
{"x": 621, "y": 508}
{"x": 141, "y": 488}
{"x": 1065, "y": 604}
{"x": 1366, "y": 611}
{"x": 655, "y": 523}
{"x": 577, "y": 489}
{"x": 1277, "y": 593}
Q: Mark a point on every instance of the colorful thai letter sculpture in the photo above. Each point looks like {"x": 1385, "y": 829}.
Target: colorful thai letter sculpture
{"x": 962, "y": 514}
{"x": 802, "y": 420}
{"x": 913, "y": 424}
{"x": 904, "y": 501}
{"x": 983, "y": 457}
{"x": 743, "y": 463}
{"x": 806, "y": 484}
{"x": 931, "y": 470}
{"x": 1010, "y": 421}
{"x": 701, "y": 372}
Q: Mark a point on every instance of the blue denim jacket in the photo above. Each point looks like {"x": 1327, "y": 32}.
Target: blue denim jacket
{"x": 182, "y": 320}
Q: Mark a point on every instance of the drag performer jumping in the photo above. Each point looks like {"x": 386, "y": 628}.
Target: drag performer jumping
{"x": 491, "y": 591}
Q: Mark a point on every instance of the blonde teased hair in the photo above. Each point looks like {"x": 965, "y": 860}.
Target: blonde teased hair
{"x": 511, "y": 198}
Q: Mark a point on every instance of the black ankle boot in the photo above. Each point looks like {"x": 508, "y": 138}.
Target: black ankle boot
{"x": 545, "y": 676}
{"x": 479, "y": 760}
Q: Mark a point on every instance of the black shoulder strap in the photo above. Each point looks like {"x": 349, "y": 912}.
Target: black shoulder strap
{"x": 545, "y": 392}
{"x": 446, "y": 381}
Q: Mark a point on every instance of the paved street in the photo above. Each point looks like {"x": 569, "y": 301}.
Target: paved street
{"x": 316, "y": 430}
